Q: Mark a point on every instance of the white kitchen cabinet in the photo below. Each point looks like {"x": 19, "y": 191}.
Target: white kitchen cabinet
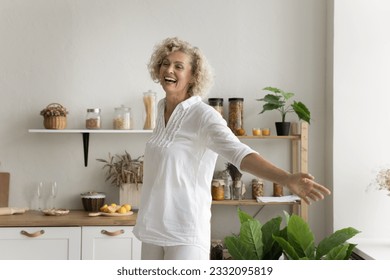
{"x": 40, "y": 243}
{"x": 109, "y": 243}
{"x": 69, "y": 243}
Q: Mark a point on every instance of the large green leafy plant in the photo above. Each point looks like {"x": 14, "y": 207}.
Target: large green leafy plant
{"x": 295, "y": 241}
{"x": 278, "y": 100}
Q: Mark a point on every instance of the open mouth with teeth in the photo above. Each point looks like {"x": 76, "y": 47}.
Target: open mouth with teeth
{"x": 170, "y": 80}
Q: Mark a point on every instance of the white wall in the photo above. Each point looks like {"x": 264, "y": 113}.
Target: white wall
{"x": 361, "y": 114}
{"x": 91, "y": 53}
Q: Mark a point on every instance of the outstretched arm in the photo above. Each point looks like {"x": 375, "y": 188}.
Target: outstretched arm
{"x": 301, "y": 184}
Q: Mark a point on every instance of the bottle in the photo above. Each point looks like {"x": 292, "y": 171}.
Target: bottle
{"x": 227, "y": 180}
{"x": 122, "y": 118}
{"x": 93, "y": 119}
{"x": 217, "y": 104}
{"x": 236, "y": 115}
{"x": 150, "y": 109}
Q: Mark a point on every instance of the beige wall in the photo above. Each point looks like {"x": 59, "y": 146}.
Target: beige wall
{"x": 87, "y": 53}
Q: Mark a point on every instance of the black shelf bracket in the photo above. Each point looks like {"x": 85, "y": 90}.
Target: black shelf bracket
{"x": 85, "y": 147}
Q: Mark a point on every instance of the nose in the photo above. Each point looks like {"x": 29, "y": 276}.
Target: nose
{"x": 170, "y": 68}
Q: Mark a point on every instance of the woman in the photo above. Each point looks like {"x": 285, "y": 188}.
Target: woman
{"x": 174, "y": 217}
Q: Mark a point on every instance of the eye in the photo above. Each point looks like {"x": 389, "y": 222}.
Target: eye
{"x": 179, "y": 66}
{"x": 165, "y": 63}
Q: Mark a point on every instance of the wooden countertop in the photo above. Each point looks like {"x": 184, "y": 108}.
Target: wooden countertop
{"x": 34, "y": 218}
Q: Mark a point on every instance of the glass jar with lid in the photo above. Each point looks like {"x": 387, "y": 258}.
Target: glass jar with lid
{"x": 257, "y": 188}
{"x": 217, "y": 104}
{"x": 122, "y": 118}
{"x": 150, "y": 109}
{"x": 236, "y": 115}
{"x": 93, "y": 119}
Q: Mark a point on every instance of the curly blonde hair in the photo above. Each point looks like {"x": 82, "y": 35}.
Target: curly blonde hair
{"x": 201, "y": 70}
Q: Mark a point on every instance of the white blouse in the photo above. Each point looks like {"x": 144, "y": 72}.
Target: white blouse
{"x": 179, "y": 163}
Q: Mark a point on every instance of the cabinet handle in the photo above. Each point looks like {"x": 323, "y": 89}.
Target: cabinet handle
{"x": 35, "y": 234}
{"x": 112, "y": 233}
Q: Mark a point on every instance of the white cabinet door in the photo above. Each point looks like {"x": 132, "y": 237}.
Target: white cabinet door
{"x": 40, "y": 243}
{"x": 110, "y": 243}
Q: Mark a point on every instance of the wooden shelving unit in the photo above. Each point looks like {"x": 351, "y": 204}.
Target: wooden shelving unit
{"x": 299, "y": 163}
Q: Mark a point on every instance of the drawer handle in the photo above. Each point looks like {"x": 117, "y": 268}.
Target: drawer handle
{"x": 112, "y": 233}
{"x": 35, "y": 234}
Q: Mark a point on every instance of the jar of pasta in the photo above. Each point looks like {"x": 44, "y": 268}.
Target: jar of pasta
{"x": 236, "y": 115}
{"x": 150, "y": 109}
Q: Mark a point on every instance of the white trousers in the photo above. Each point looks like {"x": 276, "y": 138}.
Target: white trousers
{"x": 180, "y": 252}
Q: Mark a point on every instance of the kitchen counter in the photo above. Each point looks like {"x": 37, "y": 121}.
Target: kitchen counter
{"x": 34, "y": 218}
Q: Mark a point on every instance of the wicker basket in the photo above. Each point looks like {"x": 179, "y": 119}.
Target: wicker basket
{"x": 54, "y": 122}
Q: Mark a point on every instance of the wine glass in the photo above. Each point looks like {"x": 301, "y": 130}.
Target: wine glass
{"x": 39, "y": 192}
{"x": 53, "y": 194}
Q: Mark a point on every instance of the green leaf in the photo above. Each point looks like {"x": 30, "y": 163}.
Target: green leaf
{"x": 269, "y": 107}
{"x": 272, "y": 99}
{"x": 237, "y": 250}
{"x": 287, "y": 248}
{"x": 302, "y": 111}
{"x": 271, "y": 249}
{"x": 243, "y": 216}
{"x": 335, "y": 239}
{"x": 251, "y": 237}
{"x": 287, "y": 95}
{"x": 273, "y": 89}
{"x": 300, "y": 237}
{"x": 337, "y": 253}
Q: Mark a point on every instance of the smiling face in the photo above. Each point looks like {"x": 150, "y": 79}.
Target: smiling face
{"x": 176, "y": 73}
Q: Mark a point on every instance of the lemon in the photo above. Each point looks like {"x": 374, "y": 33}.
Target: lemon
{"x": 113, "y": 204}
{"x": 127, "y": 206}
{"x": 122, "y": 210}
{"x": 111, "y": 209}
{"x": 103, "y": 208}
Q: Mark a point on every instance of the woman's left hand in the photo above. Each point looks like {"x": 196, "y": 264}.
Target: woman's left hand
{"x": 304, "y": 186}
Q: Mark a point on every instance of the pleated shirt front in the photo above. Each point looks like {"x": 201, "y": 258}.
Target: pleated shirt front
{"x": 179, "y": 163}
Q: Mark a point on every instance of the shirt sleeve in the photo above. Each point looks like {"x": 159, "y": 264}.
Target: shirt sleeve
{"x": 221, "y": 140}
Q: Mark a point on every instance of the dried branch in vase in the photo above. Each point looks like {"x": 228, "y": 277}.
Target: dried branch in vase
{"x": 235, "y": 174}
{"x": 122, "y": 169}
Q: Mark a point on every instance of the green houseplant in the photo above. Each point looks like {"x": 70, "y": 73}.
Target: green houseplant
{"x": 295, "y": 241}
{"x": 278, "y": 100}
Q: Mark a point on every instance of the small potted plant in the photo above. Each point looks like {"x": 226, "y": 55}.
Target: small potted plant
{"x": 127, "y": 174}
{"x": 277, "y": 100}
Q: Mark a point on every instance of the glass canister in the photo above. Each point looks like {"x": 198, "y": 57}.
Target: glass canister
{"x": 257, "y": 188}
{"x": 217, "y": 104}
{"x": 217, "y": 189}
{"x": 122, "y": 118}
{"x": 150, "y": 109}
{"x": 236, "y": 115}
{"x": 93, "y": 119}
{"x": 227, "y": 180}
{"x": 278, "y": 190}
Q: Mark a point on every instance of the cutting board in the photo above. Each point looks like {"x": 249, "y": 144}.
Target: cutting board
{"x": 4, "y": 188}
